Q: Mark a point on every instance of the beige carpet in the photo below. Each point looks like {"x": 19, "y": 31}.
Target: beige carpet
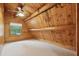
{"x": 1, "y": 47}
{"x": 34, "y": 48}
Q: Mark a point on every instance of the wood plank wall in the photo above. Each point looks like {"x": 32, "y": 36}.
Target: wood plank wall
{"x": 58, "y": 16}
{"x": 1, "y": 22}
{"x": 25, "y": 34}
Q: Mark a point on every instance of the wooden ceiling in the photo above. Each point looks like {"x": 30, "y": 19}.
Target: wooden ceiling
{"x": 32, "y": 7}
{"x": 28, "y": 8}
{"x": 11, "y": 6}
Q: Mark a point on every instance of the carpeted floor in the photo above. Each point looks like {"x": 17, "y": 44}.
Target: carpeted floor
{"x": 1, "y": 47}
{"x": 33, "y": 48}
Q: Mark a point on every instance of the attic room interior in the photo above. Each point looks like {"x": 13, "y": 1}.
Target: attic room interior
{"x": 38, "y": 29}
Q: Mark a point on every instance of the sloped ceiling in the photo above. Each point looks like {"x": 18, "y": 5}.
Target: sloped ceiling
{"x": 11, "y": 6}
{"x": 32, "y": 7}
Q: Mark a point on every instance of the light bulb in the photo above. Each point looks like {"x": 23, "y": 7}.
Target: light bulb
{"x": 20, "y": 14}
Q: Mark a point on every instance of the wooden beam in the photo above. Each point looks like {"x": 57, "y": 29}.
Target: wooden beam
{"x": 43, "y": 9}
{"x": 54, "y": 28}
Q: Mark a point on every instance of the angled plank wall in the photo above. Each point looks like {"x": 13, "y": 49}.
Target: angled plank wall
{"x": 60, "y": 16}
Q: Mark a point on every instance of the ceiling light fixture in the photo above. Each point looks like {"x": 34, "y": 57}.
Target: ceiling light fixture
{"x": 21, "y": 14}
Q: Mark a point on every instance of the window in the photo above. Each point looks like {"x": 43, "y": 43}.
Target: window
{"x": 15, "y": 28}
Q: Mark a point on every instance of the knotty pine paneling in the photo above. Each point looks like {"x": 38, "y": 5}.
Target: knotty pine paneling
{"x": 60, "y": 15}
{"x": 1, "y": 23}
{"x": 38, "y": 22}
{"x": 32, "y": 7}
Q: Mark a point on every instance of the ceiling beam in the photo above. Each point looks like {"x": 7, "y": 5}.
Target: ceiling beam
{"x": 39, "y": 11}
